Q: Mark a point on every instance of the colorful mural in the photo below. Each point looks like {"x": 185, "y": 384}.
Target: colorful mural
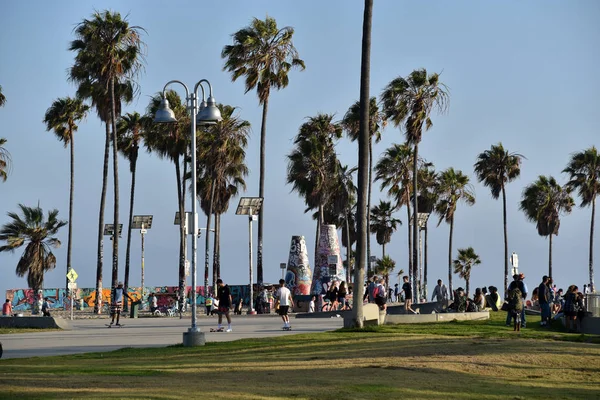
{"x": 24, "y": 299}
{"x": 298, "y": 276}
{"x": 325, "y": 273}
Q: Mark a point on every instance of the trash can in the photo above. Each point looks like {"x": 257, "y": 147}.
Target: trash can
{"x": 135, "y": 307}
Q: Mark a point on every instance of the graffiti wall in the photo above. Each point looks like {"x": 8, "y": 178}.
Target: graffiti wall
{"x": 298, "y": 276}
{"x": 23, "y": 299}
{"x": 326, "y": 272}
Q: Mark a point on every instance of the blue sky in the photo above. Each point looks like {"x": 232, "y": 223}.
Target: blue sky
{"x": 523, "y": 73}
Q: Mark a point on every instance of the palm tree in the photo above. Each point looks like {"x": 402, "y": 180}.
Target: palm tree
{"x": 362, "y": 212}
{"x": 172, "y": 141}
{"x": 111, "y": 51}
{"x": 394, "y": 170}
{"x": 264, "y": 54}
{"x": 221, "y": 171}
{"x": 351, "y": 124}
{"x": 383, "y": 224}
{"x": 467, "y": 259}
{"x": 5, "y": 161}
{"x": 584, "y": 176}
{"x": 313, "y": 165}
{"x": 38, "y": 234}
{"x": 384, "y": 267}
{"x": 543, "y": 202}
{"x": 453, "y": 188}
{"x": 62, "y": 118}
{"x": 409, "y": 102}
{"x": 495, "y": 168}
{"x": 130, "y": 132}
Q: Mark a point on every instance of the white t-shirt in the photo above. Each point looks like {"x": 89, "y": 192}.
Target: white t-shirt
{"x": 154, "y": 301}
{"x": 311, "y": 306}
{"x": 284, "y": 296}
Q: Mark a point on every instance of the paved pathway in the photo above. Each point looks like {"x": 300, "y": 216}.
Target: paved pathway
{"x": 91, "y": 335}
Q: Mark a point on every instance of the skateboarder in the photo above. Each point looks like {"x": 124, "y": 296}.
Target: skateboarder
{"x": 284, "y": 298}
{"x": 117, "y": 304}
{"x": 224, "y": 297}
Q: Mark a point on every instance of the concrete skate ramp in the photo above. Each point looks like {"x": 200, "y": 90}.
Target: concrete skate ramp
{"x": 35, "y": 322}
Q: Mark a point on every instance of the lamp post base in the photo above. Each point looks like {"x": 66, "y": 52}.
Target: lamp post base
{"x": 193, "y": 339}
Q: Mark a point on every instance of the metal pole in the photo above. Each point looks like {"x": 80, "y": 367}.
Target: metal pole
{"x": 143, "y": 288}
{"x": 251, "y": 306}
{"x": 71, "y": 293}
{"x": 193, "y": 108}
{"x": 420, "y": 262}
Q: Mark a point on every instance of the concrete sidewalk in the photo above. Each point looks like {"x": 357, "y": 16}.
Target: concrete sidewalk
{"x": 92, "y": 335}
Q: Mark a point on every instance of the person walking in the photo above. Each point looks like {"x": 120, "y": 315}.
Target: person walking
{"x": 396, "y": 293}
{"x": 224, "y": 297}
{"x": 116, "y": 307}
{"x": 407, "y": 290}
{"x": 440, "y": 292}
{"x": 518, "y": 283}
{"x": 153, "y": 303}
{"x": 544, "y": 296}
{"x": 284, "y": 297}
{"x": 380, "y": 295}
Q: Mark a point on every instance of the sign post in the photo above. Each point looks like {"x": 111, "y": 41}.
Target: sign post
{"x": 72, "y": 277}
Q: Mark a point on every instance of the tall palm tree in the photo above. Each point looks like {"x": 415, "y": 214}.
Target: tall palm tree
{"x": 111, "y": 51}
{"x": 351, "y": 124}
{"x": 383, "y": 224}
{"x": 313, "y": 165}
{"x": 495, "y": 168}
{"x": 409, "y": 102}
{"x": 221, "y": 171}
{"x": 584, "y": 176}
{"x": 362, "y": 212}
{"x": 264, "y": 54}
{"x": 38, "y": 234}
{"x": 130, "y": 132}
{"x": 467, "y": 259}
{"x": 394, "y": 170}
{"x": 453, "y": 188}
{"x": 384, "y": 267}
{"x": 5, "y": 161}
{"x": 172, "y": 141}
{"x": 62, "y": 118}
{"x": 543, "y": 202}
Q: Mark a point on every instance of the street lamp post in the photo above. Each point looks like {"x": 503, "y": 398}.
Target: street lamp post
{"x": 143, "y": 223}
{"x": 250, "y": 206}
{"x": 109, "y": 230}
{"x": 205, "y": 114}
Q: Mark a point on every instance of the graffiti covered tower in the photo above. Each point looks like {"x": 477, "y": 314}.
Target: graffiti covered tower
{"x": 298, "y": 276}
{"x": 325, "y": 272}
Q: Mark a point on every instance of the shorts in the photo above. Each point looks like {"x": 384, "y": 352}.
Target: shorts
{"x": 116, "y": 308}
{"x": 283, "y": 310}
{"x": 223, "y": 310}
{"x": 380, "y": 301}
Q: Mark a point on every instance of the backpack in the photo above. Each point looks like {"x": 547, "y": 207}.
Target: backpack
{"x": 515, "y": 300}
{"x": 379, "y": 291}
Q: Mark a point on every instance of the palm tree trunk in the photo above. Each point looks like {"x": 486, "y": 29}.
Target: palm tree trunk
{"x": 217, "y": 246}
{"x": 115, "y": 263}
{"x": 467, "y": 281}
{"x": 592, "y": 288}
{"x": 348, "y": 250}
{"x": 505, "y": 240}
{"x": 363, "y": 165}
{"x": 415, "y": 233}
{"x": 98, "y": 305}
{"x": 550, "y": 256}
{"x": 450, "y": 258}
{"x": 369, "y": 204}
{"x": 410, "y": 249}
{"x": 182, "y": 231}
{"x": 261, "y": 193}
{"x": 383, "y": 251}
{"x": 318, "y": 235}
{"x": 425, "y": 264}
{"x": 71, "y": 194}
{"x": 129, "y": 223}
{"x": 207, "y": 238}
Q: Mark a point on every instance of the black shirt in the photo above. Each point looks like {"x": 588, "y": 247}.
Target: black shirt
{"x": 223, "y": 295}
{"x": 407, "y": 290}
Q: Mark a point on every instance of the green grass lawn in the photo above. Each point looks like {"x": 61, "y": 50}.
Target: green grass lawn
{"x": 455, "y": 360}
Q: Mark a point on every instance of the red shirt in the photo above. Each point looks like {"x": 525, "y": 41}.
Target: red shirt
{"x": 7, "y": 309}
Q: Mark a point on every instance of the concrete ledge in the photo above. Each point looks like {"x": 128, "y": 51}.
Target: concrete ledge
{"x": 35, "y": 322}
{"x": 372, "y": 315}
{"x": 438, "y": 317}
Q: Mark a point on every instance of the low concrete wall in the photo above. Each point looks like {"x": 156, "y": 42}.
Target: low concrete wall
{"x": 424, "y": 308}
{"x": 35, "y": 322}
{"x": 372, "y": 315}
{"x": 438, "y": 317}
{"x": 590, "y": 325}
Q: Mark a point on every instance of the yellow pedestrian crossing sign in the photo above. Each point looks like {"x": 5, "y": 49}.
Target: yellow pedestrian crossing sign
{"x": 72, "y": 275}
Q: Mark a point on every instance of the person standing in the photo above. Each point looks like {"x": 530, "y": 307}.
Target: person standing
{"x": 518, "y": 283}
{"x": 311, "y": 305}
{"x": 153, "y": 303}
{"x": 440, "y": 292}
{"x": 407, "y": 290}
{"x": 396, "y": 293}
{"x": 380, "y": 295}
{"x": 208, "y": 302}
{"x": 544, "y": 300}
{"x": 117, "y": 305}
{"x": 284, "y": 298}
{"x": 224, "y": 297}
{"x": 7, "y": 309}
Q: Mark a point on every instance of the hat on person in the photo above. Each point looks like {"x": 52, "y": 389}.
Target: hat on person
{"x": 120, "y": 284}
